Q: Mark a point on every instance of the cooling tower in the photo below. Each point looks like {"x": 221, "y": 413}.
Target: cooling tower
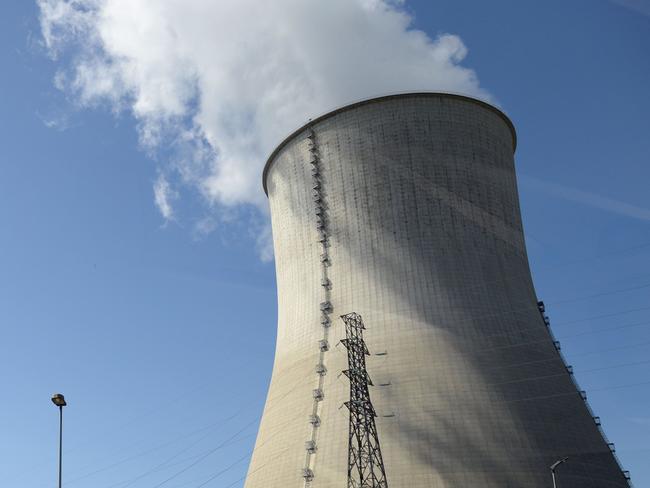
{"x": 404, "y": 209}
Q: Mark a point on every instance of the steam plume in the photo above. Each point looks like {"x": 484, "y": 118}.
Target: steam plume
{"x": 220, "y": 83}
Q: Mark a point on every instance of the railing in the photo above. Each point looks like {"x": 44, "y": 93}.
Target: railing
{"x": 583, "y": 393}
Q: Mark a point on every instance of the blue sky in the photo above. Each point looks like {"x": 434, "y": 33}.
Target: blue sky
{"x": 160, "y": 331}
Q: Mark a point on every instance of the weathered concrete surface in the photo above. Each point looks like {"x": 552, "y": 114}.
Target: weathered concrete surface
{"x": 426, "y": 243}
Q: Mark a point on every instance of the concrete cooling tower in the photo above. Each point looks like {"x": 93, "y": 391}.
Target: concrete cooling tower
{"x": 404, "y": 209}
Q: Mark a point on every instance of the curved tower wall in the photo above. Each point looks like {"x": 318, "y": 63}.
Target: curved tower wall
{"x": 423, "y": 237}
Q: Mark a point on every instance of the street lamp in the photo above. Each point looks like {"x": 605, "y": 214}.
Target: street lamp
{"x": 59, "y": 401}
{"x": 554, "y": 466}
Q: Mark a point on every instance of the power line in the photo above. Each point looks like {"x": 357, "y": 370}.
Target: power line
{"x": 596, "y": 317}
{"x": 558, "y": 395}
{"x": 280, "y": 428}
{"x": 598, "y": 351}
{"x": 160, "y": 467}
{"x": 173, "y": 441}
{"x": 636, "y": 363}
{"x": 547, "y": 339}
{"x": 248, "y": 474}
{"x": 148, "y": 451}
{"x": 523, "y": 380}
{"x": 178, "y": 473}
{"x": 530, "y": 308}
{"x": 539, "y": 328}
{"x": 613, "y": 252}
{"x": 190, "y": 458}
{"x": 596, "y": 295}
{"x": 146, "y": 414}
{"x": 608, "y": 329}
{"x": 154, "y": 469}
{"x": 249, "y": 454}
{"x": 219, "y": 473}
{"x": 591, "y": 390}
{"x": 564, "y": 301}
{"x": 207, "y": 453}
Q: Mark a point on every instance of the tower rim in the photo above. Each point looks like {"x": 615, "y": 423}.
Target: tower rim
{"x": 383, "y": 98}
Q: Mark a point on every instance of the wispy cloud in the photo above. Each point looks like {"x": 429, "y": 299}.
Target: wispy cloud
{"x": 164, "y": 195}
{"x": 55, "y": 120}
{"x": 220, "y": 83}
{"x": 204, "y": 226}
{"x": 264, "y": 241}
{"x": 589, "y": 199}
{"x": 639, "y": 6}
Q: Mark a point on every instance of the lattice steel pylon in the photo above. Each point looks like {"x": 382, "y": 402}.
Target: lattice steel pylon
{"x": 365, "y": 463}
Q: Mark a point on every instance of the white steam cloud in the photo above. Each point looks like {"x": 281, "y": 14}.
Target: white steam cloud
{"x": 221, "y": 82}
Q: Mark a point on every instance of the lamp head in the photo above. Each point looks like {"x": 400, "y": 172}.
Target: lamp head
{"x": 558, "y": 462}
{"x": 58, "y": 400}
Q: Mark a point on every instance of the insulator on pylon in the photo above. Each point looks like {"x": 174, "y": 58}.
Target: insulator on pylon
{"x": 323, "y": 345}
{"x": 310, "y": 447}
{"x": 321, "y": 369}
{"x": 314, "y": 420}
{"x": 318, "y": 394}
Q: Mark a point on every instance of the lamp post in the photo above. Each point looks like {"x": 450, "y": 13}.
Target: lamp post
{"x": 59, "y": 401}
{"x": 554, "y": 466}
